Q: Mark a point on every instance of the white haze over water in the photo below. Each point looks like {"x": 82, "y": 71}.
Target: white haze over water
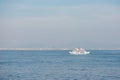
{"x": 33, "y": 25}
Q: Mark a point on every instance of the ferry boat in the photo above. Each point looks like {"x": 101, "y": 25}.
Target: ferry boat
{"x": 78, "y": 51}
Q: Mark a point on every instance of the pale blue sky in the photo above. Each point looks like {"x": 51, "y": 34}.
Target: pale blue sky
{"x": 60, "y": 23}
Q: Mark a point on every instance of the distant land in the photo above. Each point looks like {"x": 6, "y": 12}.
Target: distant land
{"x": 34, "y": 49}
{"x": 57, "y": 49}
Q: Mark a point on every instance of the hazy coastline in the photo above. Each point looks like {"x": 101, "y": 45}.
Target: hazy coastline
{"x": 57, "y": 49}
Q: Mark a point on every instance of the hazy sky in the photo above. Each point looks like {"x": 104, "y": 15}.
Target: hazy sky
{"x": 59, "y": 23}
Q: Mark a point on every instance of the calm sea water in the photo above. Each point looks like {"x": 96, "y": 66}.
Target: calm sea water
{"x": 59, "y": 65}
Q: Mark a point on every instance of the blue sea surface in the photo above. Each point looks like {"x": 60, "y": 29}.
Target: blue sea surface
{"x": 59, "y": 65}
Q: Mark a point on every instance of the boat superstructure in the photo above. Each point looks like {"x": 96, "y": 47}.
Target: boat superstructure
{"x": 78, "y": 51}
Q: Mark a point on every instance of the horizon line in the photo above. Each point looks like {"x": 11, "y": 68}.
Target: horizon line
{"x": 57, "y": 48}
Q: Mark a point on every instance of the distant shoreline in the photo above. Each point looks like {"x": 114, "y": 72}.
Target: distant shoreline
{"x": 54, "y": 49}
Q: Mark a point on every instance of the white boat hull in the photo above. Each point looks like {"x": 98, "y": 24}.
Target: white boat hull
{"x": 78, "y": 53}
